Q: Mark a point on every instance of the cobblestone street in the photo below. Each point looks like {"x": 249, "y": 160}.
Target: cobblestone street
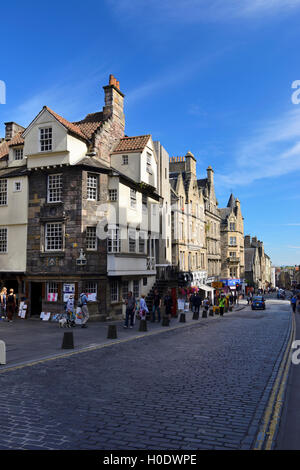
{"x": 204, "y": 386}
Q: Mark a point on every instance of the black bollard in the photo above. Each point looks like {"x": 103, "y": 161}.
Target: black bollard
{"x": 143, "y": 325}
{"x": 165, "y": 321}
{"x": 112, "y": 332}
{"x": 196, "y": 316}
{"x": 182, "y": 318}
{"x": 68, "y": 342}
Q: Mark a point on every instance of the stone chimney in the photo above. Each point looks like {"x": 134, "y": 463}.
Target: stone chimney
{"x": 254, "y": 242}
{"x": 114, "y": 101}
{"x": 247, "y": 241}
{"x": 210, "y": 175}
{"x": 11, "y": 129}
{"x": 190, "y": 163}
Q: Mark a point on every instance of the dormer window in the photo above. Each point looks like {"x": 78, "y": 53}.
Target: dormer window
{"x": 18, "y": 154}
{"x": 46, "y": 139}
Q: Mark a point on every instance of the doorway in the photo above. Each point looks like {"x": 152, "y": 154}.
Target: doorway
{"x": 36, "y": 298}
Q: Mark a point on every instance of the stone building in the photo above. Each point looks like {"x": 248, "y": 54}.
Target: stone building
{"x": 79, "y": 209}
{"x": 232, "y": 240}
{"x": 212, "y": 226}
{"x": 188, "y": 221}
{"x": 258, "y": 266}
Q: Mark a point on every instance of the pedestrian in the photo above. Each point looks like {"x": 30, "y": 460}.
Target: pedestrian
{"x": 70, "y": 310}
{"x": 298, "y": 304}
{"x": 3, "y": 295}
{"x": 168, "y": 303}
{"x": 293, "y": 303}
{"x": 83, "y": 300}
{"x": 11, "y": 303}
{"x": 222, "y": 305}
{"x": 192, "y": 302}
{"x": 206, "y": 304}
{"x": 198, "y": 302}
{"x": 143, "y": 308}
{"x": 156, "y": 306}
{"x": 130, "y": 309}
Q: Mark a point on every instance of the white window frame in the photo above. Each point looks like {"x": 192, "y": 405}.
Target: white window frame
{"x": 46, "y": 139}
{"x": 149, "y": 163}
{"x": 91, "y": 287}
{"x": 113, "y": 240}
{"x": 92, "y": 187}
{"x": 3, "y": 240}
{"x": 54, "y": 188}
{"x": 54, "y": 238}
{"x": 3, "y": 192}
{"x": 18, "y": 154}
{"x": 52, "y": 287}
{"x": 132, "y": 241}
{"x": 16, "y": 190}
{"x": 113, "y": 195}
{"x": 91, "y": 238}
{"x": 133, "y": 198}
{"x": 232, "y": 241}
{"x": 114, "y": 291}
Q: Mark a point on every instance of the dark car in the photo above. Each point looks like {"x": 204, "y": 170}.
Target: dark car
{"x": 258, "y": 302}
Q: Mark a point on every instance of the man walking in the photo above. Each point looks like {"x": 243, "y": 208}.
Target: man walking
{"x": 83, "y": 300}
{"x": 130, "y": 309}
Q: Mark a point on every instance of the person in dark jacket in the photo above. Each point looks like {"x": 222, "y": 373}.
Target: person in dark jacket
{"x": 168, "y": 303}
{"x": 197, "y": 302}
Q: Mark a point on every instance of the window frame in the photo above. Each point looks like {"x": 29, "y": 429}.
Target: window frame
{"x": 56, "y": 189}
{"x": 4, "y": 240}
{"x": 49, "y": 139}
{"x": 89, "y": 238}
{"x": 3, "y": 192}
{"x": 47, "y": 237}
{"x": 92, "y": 187}
{"x": 16, "y": 151}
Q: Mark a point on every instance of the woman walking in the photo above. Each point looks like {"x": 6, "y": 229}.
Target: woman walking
{"x": 10, "y": 305}
{"x": 3, "y": 295}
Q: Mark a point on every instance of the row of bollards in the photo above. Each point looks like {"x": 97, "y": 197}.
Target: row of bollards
{"x": 68, "y": 342}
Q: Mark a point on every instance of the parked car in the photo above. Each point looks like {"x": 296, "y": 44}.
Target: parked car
{"x": 258, "y": 302}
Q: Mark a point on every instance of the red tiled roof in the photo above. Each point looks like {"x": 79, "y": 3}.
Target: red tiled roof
{"x": 90, "y": 123}
{"x": 132, "y": 144}
{"x": 16, "y": 140}
{"x": 4, "y": 149}
{"x": 69, "y": 125}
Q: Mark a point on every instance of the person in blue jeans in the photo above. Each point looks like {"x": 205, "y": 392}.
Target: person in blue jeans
{"x": 156, "y": 306}
{"x": 130, "y": 310}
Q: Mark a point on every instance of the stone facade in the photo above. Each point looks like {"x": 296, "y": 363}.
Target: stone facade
{"x": 188, "y": 220}
{"x": 212, "y": 226}
{"x": 258, "y": 271}
{"x": 232, "y": 240}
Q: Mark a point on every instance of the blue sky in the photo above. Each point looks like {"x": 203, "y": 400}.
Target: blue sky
{"x": 211, "y": 77}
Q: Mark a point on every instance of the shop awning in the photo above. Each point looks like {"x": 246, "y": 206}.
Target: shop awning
{"x": 206, "y": 288}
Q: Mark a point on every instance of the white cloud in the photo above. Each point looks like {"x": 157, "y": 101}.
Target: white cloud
{"x": 194, "y": 11}
{"x": 272, "y": 151}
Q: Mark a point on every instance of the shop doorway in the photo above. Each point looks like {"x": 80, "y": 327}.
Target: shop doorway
{"x": 36, "y": 298}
